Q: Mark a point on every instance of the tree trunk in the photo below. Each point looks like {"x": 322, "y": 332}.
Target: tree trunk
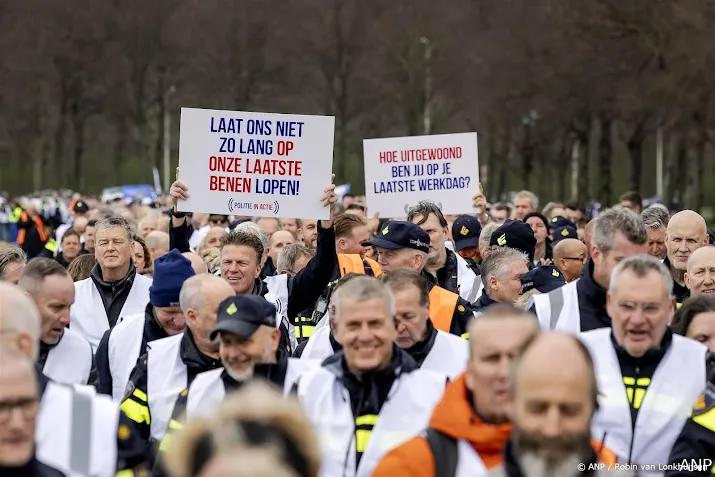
{"x": 605, "y": 152}
{"x": 120, "y": 149}
{"x": 635, "y": 151}
{"x": 78, "y": 129}
{"x": 583, "y": 173}
{"x": 527, "y": 156}
{"x": 670, "y": 168}
{"x": 594, "y": 138}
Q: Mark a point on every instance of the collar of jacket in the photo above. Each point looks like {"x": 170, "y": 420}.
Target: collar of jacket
{"x": 513, "y": 469}
{"x": 449, "y": 271}
{"x": 595, "y": 293}
{"x": 42, "y": 381}
{"x": 334, "y": 343}
{"x": 269, "y": 268}
{"x": 401, "y": 363}
{"x": 652, "y": 356}
{"x": 33, "y": 468}
{"x": 193, "y": 358}
{"x": 681, "y": 293}
{"x": 259, "y": 287}
{"x": 152, "y": 328}
{"x": 484, "y": 302}
{"x": 420, "y": 350}
{"x": 99, "y": 280}
{"x": 274, "y": 373}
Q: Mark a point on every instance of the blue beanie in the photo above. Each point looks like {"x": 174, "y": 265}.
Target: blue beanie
{"x": 170, "y": 273}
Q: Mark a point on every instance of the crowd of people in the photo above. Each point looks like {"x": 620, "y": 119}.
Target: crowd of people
{"x": 516, "y": 341}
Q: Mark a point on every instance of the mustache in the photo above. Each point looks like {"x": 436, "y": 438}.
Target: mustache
{"x": 555, "y": 448}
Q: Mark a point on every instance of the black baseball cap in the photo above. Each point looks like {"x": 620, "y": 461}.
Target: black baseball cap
{"x": 515, "y": 234}
{"x": 559, "y": 221}
{"x": 465, "y": 232}
{"x": 545, "y": 278}
{"x": 564, "y": 233}
{"x": 80, "y": 207}
{"x": 397, "y": 234}
{"x": 242, "y": 315}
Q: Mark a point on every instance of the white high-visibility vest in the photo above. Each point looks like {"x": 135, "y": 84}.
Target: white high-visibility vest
{"x": 449, "y": 355}
{"x": 404, "y": 414}
{"x": 558, "y": 310}
{"x": 208, "y": 390}
{"x": 469, "y": 284}
{"x": 278, "y": 295}
{"x": 671, "y": 394}
{"x": 318, "y": 346}
{"x": 76, "y": 431}
{"x": 167, "y": 377}
{"x": 88, "y": 316}
{"x": 70, "y": 361}
{"x": 123, "y": 351}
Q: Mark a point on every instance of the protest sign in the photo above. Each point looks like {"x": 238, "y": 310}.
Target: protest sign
{"x": 401, "y": 171}
{"x": 255, "y": 164}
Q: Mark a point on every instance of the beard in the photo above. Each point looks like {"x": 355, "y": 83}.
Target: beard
{"x": 241, "y": 377}
{"x": 540, "y": 456}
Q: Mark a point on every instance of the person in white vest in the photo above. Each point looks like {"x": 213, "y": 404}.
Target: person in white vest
{"x": 247, "y": 330}
{"x": 121, "y": 346}
{"x": 76, "y": 429}
{"x": 449, "y": 270}
{"x": 171, "y": 364}
{"x": 469, "y": 428}
{"x": 649, "y": 378}
{"x": 431, "y": 348}
{"x": 371, "y": 396}
{"x": 114, "y": 289}
{"x": 581, "y": 305}
{"x": 19, "y": 403}
{"x": 65, "y": 356}
{"x": 553, "y": 407}
{"x": 241, "y": 263}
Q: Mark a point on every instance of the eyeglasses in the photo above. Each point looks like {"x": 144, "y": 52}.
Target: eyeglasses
{"x": 27, "y": 406}
{"x": 218, "y": 221}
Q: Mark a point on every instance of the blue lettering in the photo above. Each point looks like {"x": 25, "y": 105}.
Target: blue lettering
{"x": 289, "y": 128}
{"x": 260, "y": 147}
{"x": 277, "y": 186}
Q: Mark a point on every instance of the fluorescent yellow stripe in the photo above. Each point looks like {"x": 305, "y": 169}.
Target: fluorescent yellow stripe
{"x": 125, "y": 473}
{"x": 173, "y": 424}
{"x": 366, "y": 420}
{"x": 706, "y": 420}
{"x": 361, "y": 440}
{"x": 135, "y": 411}
{"x": 304, "y": 331}
{"x": 638, "y": 400}
{"x": 465, "y": 336}
{"x": 629, "y": 392}
{"x": 643, "y": 382}
{"x": 629, "y": 381}
{"x": 140, "y": 395}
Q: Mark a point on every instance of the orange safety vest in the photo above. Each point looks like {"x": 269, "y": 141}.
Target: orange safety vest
{"x": 441, "y": 307}
{"x": 604, "y": 454}
{"x": 352, "y": 263}
{"x": 38, "y": 225}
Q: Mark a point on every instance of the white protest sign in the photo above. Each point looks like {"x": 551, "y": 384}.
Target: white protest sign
{"x": 401, "y": 171}
{"x": 255, "y": 164}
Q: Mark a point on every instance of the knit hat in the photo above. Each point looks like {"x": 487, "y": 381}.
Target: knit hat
{"x": 170, "y": 273}
{"x": 536, "y": 214}
{"x": 515, "y": 234}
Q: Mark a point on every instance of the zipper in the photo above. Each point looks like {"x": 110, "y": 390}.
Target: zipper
{"x": 634, "y": 423}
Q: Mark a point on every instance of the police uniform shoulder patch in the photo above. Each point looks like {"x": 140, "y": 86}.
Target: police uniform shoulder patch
{"x": 128, "y": 390}
{"x": 123, "y": 432}
{"x": 705, "y": 402}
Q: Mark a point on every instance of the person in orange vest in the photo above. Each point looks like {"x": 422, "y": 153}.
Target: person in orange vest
{"x": 405, "y": 245}
{"x": 31, "y": 235}
{"x": 350, "y": 232}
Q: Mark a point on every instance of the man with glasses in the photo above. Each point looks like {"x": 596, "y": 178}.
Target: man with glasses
{"x": 569, "y": 257}
{"x": 293, "y": 258}
{"x": 19, "y": 403}
{"x": 218, "y": 220}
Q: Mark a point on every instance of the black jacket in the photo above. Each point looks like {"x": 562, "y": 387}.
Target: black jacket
{"x": 305, "y": 287}
{"x": 34, "y": 468}
{"x": 680, "y": 292}
{"x": 152, "y": 331}
{"x": 447, "y": 275}
{"x": 484, "y": 302}
{"x": 591, "y": 301}
{"x": 114, "y": 294}
{"x": 420, "y": 350}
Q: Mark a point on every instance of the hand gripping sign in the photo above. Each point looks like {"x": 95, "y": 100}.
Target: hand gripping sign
{"x": 255, "y": 164}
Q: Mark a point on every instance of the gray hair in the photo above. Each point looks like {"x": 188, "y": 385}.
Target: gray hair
{"x": 655, "y": 218}
{"x": 641, "y": 265}
{"x": 113, "y": 223}
{"x": 290, "y": 254}
{"x": 256, "y": 220}
{"x": 486, "y": 234}
{"x": 497, "y": 262}
{"x": 36, "y": 271}
{"x": 361, "y": 289}
{"x": 18, "y": 314}
{"x": 527, "y": 194}
{"x": 10, "y": 254}
{"x": 255, "y": 229}
{"x": 618, "y": 219}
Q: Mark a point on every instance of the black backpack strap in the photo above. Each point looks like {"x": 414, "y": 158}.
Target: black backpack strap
{"x": 444, "y": 450}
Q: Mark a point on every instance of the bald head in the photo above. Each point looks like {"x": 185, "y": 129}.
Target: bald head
{"x": 686, "y": 232}
{"x": 158, "y": 244}
{"x": 13, "y": 362}
{"x": 700, "y": 274}
{"x": 19, "y": 320}
{"x": 569, "y": 256}
{"x": 212, "y": 238}
{"x": 197, "y": 263}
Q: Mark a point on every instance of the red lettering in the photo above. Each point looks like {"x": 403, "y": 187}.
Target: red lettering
{"x": 230, "y": 184}
{"x": 275, "y": 167}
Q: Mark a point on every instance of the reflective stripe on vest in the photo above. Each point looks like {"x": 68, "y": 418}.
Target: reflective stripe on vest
{"x": 441, "y": 307}
{"x": 15, "y": 215}
{"x": 353, "y": 263}
{"x": 51, "y": 245}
